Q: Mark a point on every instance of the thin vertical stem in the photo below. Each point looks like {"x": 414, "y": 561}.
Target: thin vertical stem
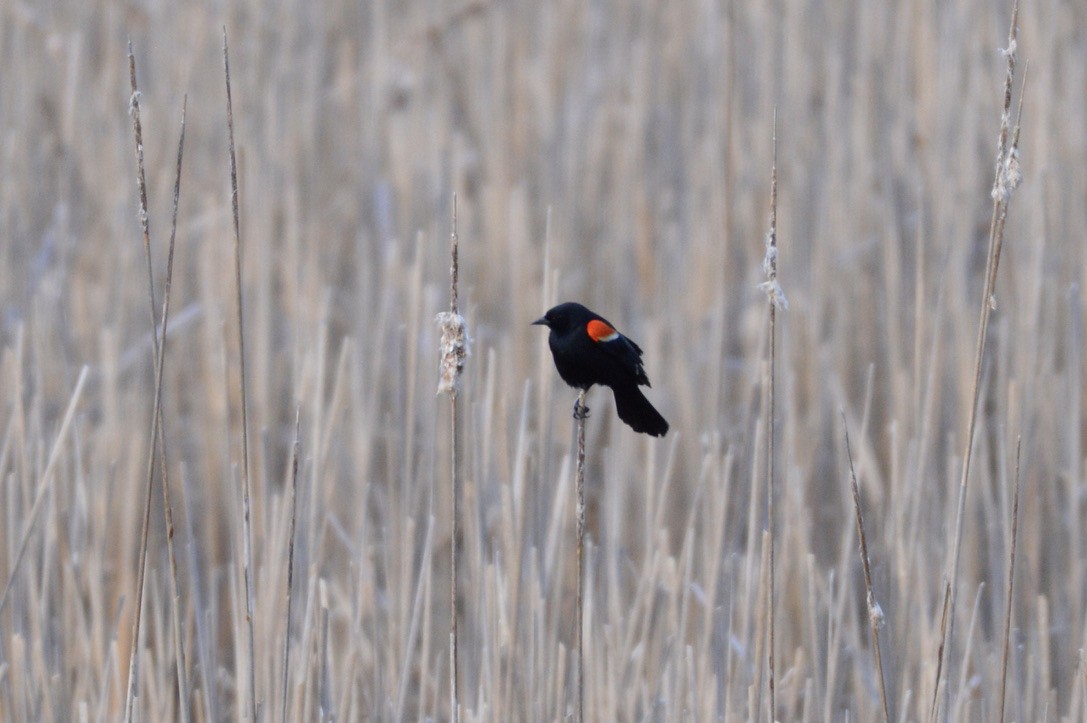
{"x": 167, "y": 507}
{"x": 1011, "y": 585}
{"x": 776, "y": 297}
{"x": 290, "y": 560}
{"x": 159, "y": 430}
{"x": 133, "y": 669}
{"x": 454, "y": 482}
{"x": 581, "y": 412}
{"x": 770, "y": 518}
{"x": 454, "y": 351}
{"x": 1002, "y": 187}
{"x": 247, "y": 541}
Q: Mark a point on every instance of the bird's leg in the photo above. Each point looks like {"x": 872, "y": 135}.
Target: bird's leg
{"x": 580, "y": 410}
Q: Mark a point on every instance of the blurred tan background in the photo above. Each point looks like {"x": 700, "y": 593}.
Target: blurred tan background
{"x": 616, "y": 153}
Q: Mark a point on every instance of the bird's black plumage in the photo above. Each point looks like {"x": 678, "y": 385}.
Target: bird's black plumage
{"x": 588, "y": 350}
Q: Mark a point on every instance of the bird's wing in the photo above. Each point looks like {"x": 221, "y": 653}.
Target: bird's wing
{"x": 622, "y": 349}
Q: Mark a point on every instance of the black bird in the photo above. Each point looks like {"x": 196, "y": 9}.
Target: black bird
{"x": 588, "y": 350}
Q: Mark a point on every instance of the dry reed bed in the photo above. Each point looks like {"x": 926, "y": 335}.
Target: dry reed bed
{"x": 630, "y": 148}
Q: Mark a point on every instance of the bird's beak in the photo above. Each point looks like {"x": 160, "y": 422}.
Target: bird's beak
{"x": 542, "y": 321}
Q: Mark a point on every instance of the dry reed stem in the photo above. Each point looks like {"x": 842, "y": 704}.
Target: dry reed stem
{"x": 247, "y": 541}
{"x": 581, "y": 412}
{"x": 454, "y": 349}
{"x": 875, "y": 612}
{"x": 159, "y": 426}
{"x": 1005, "y": 180}
{"x": 156, "y": 440}
{"x": 295, "y": 447}
{"x": 1011, "y": 583}
{"x": 167, "y": 507}
{"x": 775, "y": 298}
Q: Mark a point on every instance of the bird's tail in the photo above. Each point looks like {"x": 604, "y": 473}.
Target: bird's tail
{"x": 635, "y": 410}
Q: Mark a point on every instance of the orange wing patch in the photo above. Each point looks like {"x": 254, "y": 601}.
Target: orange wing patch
{"x": 599, "y": 331}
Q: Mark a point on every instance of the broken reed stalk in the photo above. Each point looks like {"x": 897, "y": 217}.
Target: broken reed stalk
{"x": 157, "y": 440}
{"x": 581, "y": 412}
{"x": 1011, "y": 584}
{"x": 875, "y": 612}
{"x": 776, "y": 298}
{"x": 1006, "y": 178}
{"x": 247, "y": 538}
{"x": 454, "y": 350}
{"x": 290, "y": 559}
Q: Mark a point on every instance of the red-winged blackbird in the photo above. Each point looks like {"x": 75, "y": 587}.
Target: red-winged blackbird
{"x": 588, "y": 350}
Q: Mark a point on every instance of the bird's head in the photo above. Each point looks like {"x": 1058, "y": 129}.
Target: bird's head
{"x": 564, "y": 317}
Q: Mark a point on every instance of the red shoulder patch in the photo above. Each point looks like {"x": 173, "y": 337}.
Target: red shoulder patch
{"x": 599, "y": 331}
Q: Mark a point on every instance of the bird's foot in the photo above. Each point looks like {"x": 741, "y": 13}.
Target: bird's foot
{"x": 580, "y": 410}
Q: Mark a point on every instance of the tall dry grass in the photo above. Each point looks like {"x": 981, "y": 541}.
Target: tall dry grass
{"x": 608, "y": 152}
